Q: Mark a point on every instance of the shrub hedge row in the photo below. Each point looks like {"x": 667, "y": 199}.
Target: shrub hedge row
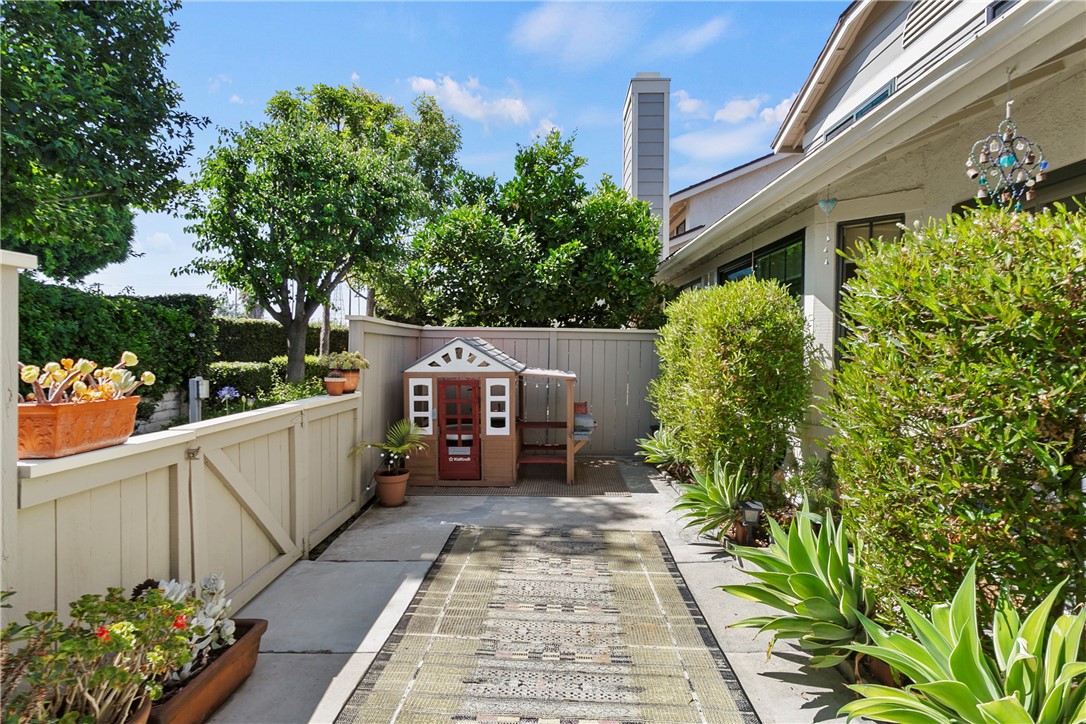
{"x": 960, "y": 407}
{"x": 258, "y": 340}
{"x": 246, "y": 377}
{"x": 735, "y": 377}
{"x": 173, "y": 335}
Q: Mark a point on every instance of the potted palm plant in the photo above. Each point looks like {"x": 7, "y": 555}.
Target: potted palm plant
{"x": 403, "y": 438}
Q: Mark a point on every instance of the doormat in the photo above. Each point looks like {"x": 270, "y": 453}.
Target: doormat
{"x": 549, "y": 626}
{"x": 594, "y": 477}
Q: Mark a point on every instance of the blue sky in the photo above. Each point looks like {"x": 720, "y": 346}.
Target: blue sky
{"x": 505, "y": 71}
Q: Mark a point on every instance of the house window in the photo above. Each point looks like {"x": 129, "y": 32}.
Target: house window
{"x": 497, "y": 406}
{"x": 782, "y": 260}
{"x": 421, "y": 404}
{"x": 997, "y": 8}
{"x": 866, "y": 107}
{"x": 848, "y": 235}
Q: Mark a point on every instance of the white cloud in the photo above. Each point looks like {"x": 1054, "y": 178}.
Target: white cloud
{"x": 739, "y": 109}
{"x": 235, "y": 98}
{"x": 156, "y": 242}
{"x": 545, "y": 127}
{"x": 777, "y": 113}
{"x": 577, "y": 35}
{"x": 468, "y": 100}
{"x": 214, "y": 85}
{"x": 717, "y": 144}
{"x": 355, "y": 77}
{"x": 688, "y": 106}
{"x": 689, "y": 41}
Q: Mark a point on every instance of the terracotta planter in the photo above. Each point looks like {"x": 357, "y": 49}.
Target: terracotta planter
{"x": 334, "y": 385}
{"x": 140, "y": 715}
{"x": 392, "y": 488}
{"x": 351, "y": 377}
{"x": 208, "y": 690}
{"x": 882, "y": 672}
{"x": 67, "y": 428}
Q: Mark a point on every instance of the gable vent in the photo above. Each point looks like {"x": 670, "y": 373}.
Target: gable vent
{"x": 922, "y": 15}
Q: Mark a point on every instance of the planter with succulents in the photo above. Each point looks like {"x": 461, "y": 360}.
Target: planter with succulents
{"x": 347, "y": 365}
{"x": 75, "y": 406}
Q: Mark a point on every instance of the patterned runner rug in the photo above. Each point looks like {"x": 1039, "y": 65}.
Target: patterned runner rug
{"x": 549, "y": 626}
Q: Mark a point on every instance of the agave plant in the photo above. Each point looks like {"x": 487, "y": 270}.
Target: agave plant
{"x": 812, "y": 579}
{"x": 660, "y": 449}
{"x": 1037, "y": 674}
{"x": 711, "y": 500}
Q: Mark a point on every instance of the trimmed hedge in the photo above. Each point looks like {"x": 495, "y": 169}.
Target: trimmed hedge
{"x": 313, "y": 367}
{"x": 960, "y": 407}
{"x": 258, "y": 340}
{"x": 735, "y": 377}
{"x": 248, "y": 378}
{"x": 173, "y": 336}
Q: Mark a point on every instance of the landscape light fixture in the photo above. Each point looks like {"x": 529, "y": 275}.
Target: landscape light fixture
{"x": 752, "y": 517}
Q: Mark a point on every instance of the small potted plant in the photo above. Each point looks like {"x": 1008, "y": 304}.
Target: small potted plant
{"x": 224, "y": 652}
{"x": 347, "y": 365}
{"x": 105, "y": 665}
{"x": 334, "y": 383}
{"x": 403, "y": 438}
{"x": 75, "y": 406}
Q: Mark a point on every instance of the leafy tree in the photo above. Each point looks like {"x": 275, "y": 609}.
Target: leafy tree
{"x": 541, "y": 249}
{"x": 91, "y": 127}
{"x": 286, "y": 210}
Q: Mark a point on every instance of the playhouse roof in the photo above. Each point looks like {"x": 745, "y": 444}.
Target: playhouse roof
{"x": 475, "y": 354}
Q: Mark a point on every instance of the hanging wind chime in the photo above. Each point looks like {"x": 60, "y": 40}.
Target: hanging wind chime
{"x": 1005, "y": 165}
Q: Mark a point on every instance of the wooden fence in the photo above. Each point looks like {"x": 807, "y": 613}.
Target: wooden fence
{"x": 613, "y": 366}
{"x": 244, "y": 495}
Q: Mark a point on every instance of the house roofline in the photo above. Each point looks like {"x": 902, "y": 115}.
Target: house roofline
{"x": 978, "y": 66}
{"x": 749, "y": 166}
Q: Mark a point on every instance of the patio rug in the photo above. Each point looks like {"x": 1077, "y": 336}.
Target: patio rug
{"x": 593, "y": 476}
{"x": 549, "y": 626}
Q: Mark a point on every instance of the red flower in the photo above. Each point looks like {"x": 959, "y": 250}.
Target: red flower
{"x": 102, "y": 633}
{"x": 179, "y": 622}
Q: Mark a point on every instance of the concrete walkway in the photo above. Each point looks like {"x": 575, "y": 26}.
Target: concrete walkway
{"x": 328, "y": 618}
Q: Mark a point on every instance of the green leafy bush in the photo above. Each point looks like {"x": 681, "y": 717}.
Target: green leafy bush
{"x": 960, "y": 406}
{"x": 814, "y": 581}
{"x": 1038, "y": 672}
{"x": 248, "y": 378}
{"x": 315, "y": 367}
{"x": 735, "y": 365}
{"x": 258, "y": 340}
{"x": 172, "y": 335}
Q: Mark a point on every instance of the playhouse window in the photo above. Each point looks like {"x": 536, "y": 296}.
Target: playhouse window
{"x": 497, "y": 407}
{"x": 421, "y": 405}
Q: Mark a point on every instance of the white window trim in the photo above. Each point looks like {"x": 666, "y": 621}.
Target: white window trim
{"x": 490, "y": 397}
{"x": 428, "y": 398}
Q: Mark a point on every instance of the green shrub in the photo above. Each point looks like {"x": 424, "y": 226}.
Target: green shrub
{"x": 960, "y": 406}
{"x": 173, "y": 336}
{"x": 258, "y": 340}
{"x": 734, "y": 377}
{"x": 248, "y": 378}
{"x": 315, "y": 367}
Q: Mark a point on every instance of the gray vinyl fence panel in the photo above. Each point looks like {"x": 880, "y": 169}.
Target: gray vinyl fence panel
{"x": 613, "y": 367}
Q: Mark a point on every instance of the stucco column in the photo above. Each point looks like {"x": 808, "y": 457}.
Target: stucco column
{"x": 10, "y": 264}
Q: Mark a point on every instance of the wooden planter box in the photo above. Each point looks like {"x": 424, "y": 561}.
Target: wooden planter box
{"x": 67, "y": 428}
{"x": 208, "y": 690}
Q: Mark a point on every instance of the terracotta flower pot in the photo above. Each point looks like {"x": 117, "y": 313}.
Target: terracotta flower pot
{"x": 140, "y": 714}
{"x": 350, "y": 377}
{"x": 201, "y": 695}
{"x": 67, "y": 428}
{"x": 392, "y": 488}
{"x": 334, "y": 385}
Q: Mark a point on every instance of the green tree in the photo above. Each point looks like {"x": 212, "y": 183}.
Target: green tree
{"x": 285, "y": 211}
{"x": 90, "y": 128}
{"x": 541, "y": 249}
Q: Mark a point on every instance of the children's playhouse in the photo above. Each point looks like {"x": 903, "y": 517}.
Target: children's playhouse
{"x": 480, "y": 424}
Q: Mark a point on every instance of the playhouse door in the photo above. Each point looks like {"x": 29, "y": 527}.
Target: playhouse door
{"x": 458, "y": 447}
